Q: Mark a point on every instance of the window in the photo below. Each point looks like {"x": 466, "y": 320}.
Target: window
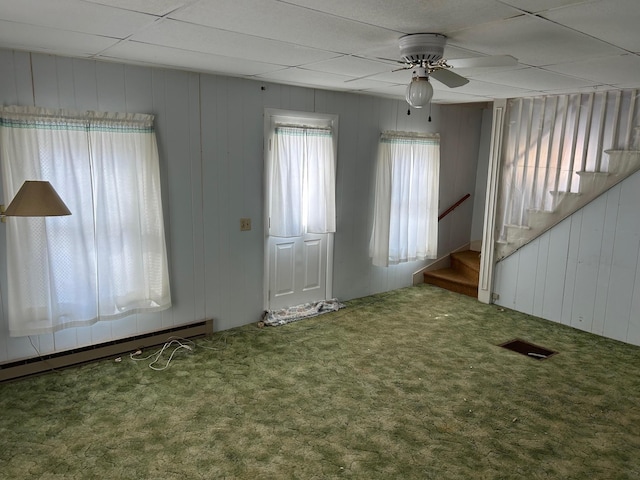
{"x": 405, "y": 224}
{"x": 108, "y": 259}
{"x": 302, "y": 180}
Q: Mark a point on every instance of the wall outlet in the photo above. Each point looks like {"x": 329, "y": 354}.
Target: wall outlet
{"x": 245, "y": 224}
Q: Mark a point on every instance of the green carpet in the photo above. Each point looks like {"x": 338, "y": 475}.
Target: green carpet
{"x": 403, "y": 385}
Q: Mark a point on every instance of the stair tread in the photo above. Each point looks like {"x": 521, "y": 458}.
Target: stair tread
{"x": 469, "y": 258}
{"x": 452, "y": 275}
{"x": 463, "y": 275}
{"x": 561, "y": 193}
{"x": 587, "y": 173}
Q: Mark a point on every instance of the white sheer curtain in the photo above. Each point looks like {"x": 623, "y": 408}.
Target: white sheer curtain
{"x": 405, "y": 224}
{"x": 302, "y": 183}
{"x": 108, "y": 259}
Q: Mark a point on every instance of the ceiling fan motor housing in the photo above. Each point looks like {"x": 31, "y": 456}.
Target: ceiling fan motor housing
{"x": 422, "y": 47}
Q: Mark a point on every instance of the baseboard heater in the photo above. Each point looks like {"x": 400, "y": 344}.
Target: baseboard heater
{"x": 68, "y": 358}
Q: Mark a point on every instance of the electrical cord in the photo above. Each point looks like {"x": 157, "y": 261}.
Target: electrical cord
{"x": 187, "y": 345}
{"x": 221, "y": 340}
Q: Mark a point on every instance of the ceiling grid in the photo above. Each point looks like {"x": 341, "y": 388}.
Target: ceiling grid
{"x": 347, "y": 45}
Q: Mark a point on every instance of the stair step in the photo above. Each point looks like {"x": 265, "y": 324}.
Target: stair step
{"x": 622, "y": 162}
{"x": 462, "y": 277}
{"x": 566, "y": 201}
{"x": 538, "y": 219}
{"x": 515, "y": 233}
{"x": 453, "y": 280}
{"x": 590, "y": 181}
{"x": 468, "y": 263}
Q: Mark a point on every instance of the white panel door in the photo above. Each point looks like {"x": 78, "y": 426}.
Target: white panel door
{"x": 298, "y": 270}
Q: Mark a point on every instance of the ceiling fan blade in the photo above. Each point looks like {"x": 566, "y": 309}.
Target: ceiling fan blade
{"x": 480, "y": 62}
{"x": 450, "y": 79}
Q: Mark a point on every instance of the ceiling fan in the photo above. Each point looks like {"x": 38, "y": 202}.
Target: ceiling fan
{"x": 423, "y": 54}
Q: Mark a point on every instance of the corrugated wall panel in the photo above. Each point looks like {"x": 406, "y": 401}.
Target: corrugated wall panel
{"x": 210, "y": 131}
{"x": 592, "y": 262}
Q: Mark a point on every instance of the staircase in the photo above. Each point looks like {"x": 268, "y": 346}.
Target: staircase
{"x": 461, "y": 277}
{"x": 560, "y": 152}
{"x": 622, "y": 163}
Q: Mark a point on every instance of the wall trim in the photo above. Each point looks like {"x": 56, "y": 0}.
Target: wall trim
{"x": 487, "y": 264}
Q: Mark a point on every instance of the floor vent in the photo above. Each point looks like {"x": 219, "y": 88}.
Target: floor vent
{"x": 32, "y": 366}
{"x": 528, "y": 349}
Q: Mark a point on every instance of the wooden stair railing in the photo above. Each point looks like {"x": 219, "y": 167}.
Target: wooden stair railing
{"x": 453, "y": 207}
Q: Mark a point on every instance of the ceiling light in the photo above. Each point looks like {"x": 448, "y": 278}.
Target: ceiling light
{"x": 419, "y": 91}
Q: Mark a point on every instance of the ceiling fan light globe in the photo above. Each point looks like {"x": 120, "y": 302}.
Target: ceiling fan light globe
{"x": 419, "y": 92}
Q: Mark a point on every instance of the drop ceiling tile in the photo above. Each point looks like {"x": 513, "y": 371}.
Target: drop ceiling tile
{"x": 76, "y": 16}
{"x": 415, "y": 16}
{"x": 398, "y": 76}
{"x": 479, "y": 71}
{"x": 392, "y": 91}
{"x": 388, "y": 52}
{"x": 452, "y": 52}
{"x": 368, "y": 84}
{"x": 153, "y": 7}
{"x": 617, "y": 21}
{"x": 485, "y": 89}
{"x": 452, "y": 96}
{"x": 300, "y": 76}
{"x": 351, "y": 66}
{"x": 352, "y": 37}
{"x": 535, "y": 79}
{"x": 285, "y": 22}
{"x": 533, "y": 41}
{"x": 186, "y": 36}
{"x": 442, "y": 93}
{"x": 621, "y": 69}
{"x": 625, "y": 86}
{"x": 143, "y": 53}
{"x": 568, "y": 91}
{"x": 41, "y": 39}
{"x": 541, "y": 5}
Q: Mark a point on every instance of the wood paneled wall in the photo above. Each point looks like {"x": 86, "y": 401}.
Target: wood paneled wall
{"x": 210, "y": 134}
{"x": 585, "y": 272}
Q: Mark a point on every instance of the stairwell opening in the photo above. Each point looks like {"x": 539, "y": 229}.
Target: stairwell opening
{"x": 528, "y": 349}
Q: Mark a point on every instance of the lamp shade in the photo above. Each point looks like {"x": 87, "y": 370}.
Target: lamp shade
{"x": 419, "y": 92}
{"x": 36, "y": 199}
